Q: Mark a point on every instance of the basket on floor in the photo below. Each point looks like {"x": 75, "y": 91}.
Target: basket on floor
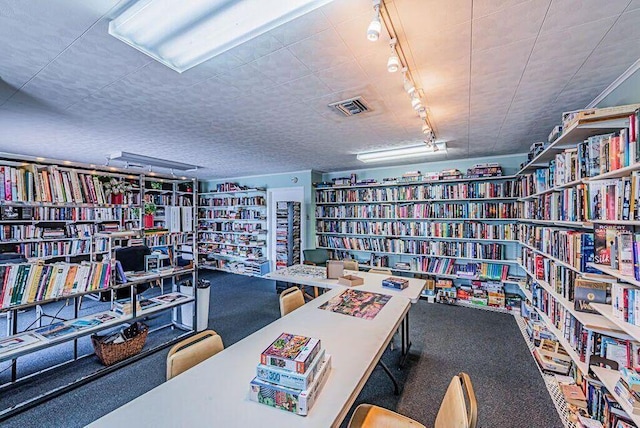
{"x": 111, "y": 353}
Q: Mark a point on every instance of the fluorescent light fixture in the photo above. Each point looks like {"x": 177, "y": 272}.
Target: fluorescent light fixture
{"x": 403, "y": 153}
{"x": 183, "y": 34}
{"x": 133, "y": 158}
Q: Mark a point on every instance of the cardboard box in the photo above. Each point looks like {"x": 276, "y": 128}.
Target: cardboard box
{"x": 350, "y": 280}
{"x": 335, "y": 269}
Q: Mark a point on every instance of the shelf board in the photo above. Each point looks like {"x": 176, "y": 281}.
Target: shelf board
{"x": 230, "y": 192}
{"x": 559, "y": 223}
{"x": 424, "y": 255}
{"x": 563, "y": 341}
{"x": 412, "y": 201}
{"x": 435, "y": 238}
{"x": 414, "y": 183}
{"x": 238, "y": 220}
{"x": 615, "y": 273}
{"x": 607, "y": 312}
{"x": 432, "y": 219}
{"x": 554, "y": 189}
{"x": 218, "y": 232}
{"x": 618, "y": 173}
{"x": 609, "y": 378}
{"x": 618, "y": 222}
{"x": 578, "y": 132}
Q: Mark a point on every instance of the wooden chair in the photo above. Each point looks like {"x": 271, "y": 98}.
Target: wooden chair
{"x": 192, "y": 351}
{"x": 453, "y": 412}
{"x": 351, "y": 265}
{"x": 382, "y": 271}
{"x": 290, "y": 300}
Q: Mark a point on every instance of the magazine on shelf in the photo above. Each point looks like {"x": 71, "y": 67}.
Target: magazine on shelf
{"x": 169, "y": 298}
{"x": 356, "y": 303}
{"x": 10, "y": 343}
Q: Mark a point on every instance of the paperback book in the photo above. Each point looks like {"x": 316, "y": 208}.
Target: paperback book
{"x": 356, "y": 303}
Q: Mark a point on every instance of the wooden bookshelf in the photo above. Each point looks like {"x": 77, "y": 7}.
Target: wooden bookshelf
{"x": 615, "y": 273}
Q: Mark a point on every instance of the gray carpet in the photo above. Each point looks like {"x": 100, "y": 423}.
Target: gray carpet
{"x": 446, "y": 340}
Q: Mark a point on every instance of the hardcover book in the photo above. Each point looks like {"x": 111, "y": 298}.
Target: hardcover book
{"x": 604, "y": 239}
{"x": 291, "y": 352}
{"x": 587, "y": 292}
{"x": 395, "y": 282}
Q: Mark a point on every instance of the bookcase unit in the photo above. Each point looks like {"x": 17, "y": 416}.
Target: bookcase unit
{"x": 444, "y": 229}
{"x": 232, "y": 230}
{"x": 565, "y": 190}
{"x": 63, "y": 217}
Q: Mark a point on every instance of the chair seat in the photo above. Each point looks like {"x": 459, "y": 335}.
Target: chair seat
{"x": 370, "y": 416}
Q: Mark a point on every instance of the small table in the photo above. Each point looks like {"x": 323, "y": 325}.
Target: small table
{"x": 215, "y": 392}
{"x": 315, "y": 276}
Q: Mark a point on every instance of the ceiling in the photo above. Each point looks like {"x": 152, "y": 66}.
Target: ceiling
{"x": 496, "y": 76}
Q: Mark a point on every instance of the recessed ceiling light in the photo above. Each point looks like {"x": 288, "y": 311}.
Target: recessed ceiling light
{"x": 183, "y": 34}
{"x": 402, "y": 153}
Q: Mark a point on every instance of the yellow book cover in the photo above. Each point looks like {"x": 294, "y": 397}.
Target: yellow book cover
{"x": 71, "y": 276}
{"x": 33, "y": 284}
{"x": 51, "y": 283}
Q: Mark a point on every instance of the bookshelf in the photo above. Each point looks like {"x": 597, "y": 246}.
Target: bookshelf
{"x": 433, "y": 227}
{"x": 232, "y": 230}
{"x": 583, "y": 182}
{"x": 61, "y": 217}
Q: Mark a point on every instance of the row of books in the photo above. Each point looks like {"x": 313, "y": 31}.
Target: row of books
{"x": 67, "y": 214}
{"x": 615, "y": 199}
{"x": 242, "y": 240}
{"x": 477, "y": 294}
{"x": 569, "y": 204}
{"x": 403, "y": 246}
{"x": 421, "y": 192}
{"x": 362, "y": 211}
{"x": 230, "y": 250}
{"x": 466, "y": 210}
{"x": 230, "y": 226}
{"x": 53, "y": 248}
{"x": 469, "y": 230}
{"x": 291, "y": 374}
{"x": 625, "y": 303}
{"x": 13, "y": 232}
{"x": 569, "y": 246}
{"x": 29, "y": 283}
{"x": 158, "y": 199}
{"x": 238, "y": 214}
{"x": 233, "y": 201}
{"x": 559, "y": 278}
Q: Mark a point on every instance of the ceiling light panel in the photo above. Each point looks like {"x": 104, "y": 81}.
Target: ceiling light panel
{"x": 403, "y": 153}
{"x": 184, "y": 34}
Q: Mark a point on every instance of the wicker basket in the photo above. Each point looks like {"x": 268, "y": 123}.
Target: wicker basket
{"x": 111, "y": 353}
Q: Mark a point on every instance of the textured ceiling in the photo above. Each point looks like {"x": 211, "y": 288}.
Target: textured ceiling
{"x": 496, "y": 76}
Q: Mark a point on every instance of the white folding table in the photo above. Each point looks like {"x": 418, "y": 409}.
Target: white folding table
{"x": 315, "y": 276}
{"x": 215, "y": 392}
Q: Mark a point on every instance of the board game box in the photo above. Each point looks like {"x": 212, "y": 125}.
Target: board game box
{"x": 291, "y": 379}
{"x": 290, "y": 399}
{"x": 291, "y": 352}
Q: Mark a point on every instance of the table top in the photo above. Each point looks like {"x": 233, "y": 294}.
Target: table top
{"x": 215, "y": 392}
{"x": 315, "y": 276}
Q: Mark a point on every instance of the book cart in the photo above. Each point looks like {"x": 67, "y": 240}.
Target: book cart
{"x": 232, "y": 230}
{"x": 558, "y": 186}
{"x": 47, "y": 208}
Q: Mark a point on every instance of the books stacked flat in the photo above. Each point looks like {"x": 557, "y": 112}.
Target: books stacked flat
{"x": 552, "y": 357}
{"x": 628, "y": 388}
{"x": 395, "y": 282}
{"x": 291, "y": 374}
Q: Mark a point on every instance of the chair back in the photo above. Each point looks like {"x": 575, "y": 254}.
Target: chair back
{"x": 290, "y": 300}
{"x": 318, "y": 256}
{"x": 454, "y": 411}
{"x": 381, "y": 271}
{"x": 192, "y": 351}
{"x": 351, "y": 265}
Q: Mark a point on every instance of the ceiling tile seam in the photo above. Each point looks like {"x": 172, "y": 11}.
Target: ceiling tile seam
{"x": 591, "y": 53}
{"x": 60, "y": 53}
{"x": 524, "y": 69}
{"x": 124, "y": 76}
{"x": 469, "y": 94}
{"x": 498, "y": 10}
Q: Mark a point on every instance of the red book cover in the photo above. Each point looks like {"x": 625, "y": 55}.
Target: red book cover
{"x": 539, "y": 267}
{"x": 7, "y": 184}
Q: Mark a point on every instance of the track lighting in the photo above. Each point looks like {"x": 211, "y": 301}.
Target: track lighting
{"x": 393, "y": 64}
{"x": 422, "y": 113}
{"x": 373, "y": 32}
{"x": 409, "y": 87}
{"x": 416, "y": 103}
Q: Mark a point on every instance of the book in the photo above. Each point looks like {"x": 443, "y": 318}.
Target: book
{"x": 291, "y": 379}
{"x": 290, "y": 399}
{"x": 291, "y": 352}
{"x": 604, "y": 239}
{"x": 574, "y": 395}
{"x": 356, "y": 303}
{"x": 587, "y": 291}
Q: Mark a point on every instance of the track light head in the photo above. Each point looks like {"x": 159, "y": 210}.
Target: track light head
{"x": 393, "y": 64}
{"x": 416, "y": 103}
{"x": 426, "y": 129}
{"x": 373, "y": 32}
{"x": 422, "y": 113}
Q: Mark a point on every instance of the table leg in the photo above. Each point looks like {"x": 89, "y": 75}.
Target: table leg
{"x": 406, "y": 340}
{"x": 396, "y": 386}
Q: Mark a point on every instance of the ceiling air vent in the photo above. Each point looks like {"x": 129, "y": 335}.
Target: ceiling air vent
{"x": 351, "y": 107}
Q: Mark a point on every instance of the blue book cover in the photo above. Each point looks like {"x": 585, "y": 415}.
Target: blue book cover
{"x": 588, "y": 253}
